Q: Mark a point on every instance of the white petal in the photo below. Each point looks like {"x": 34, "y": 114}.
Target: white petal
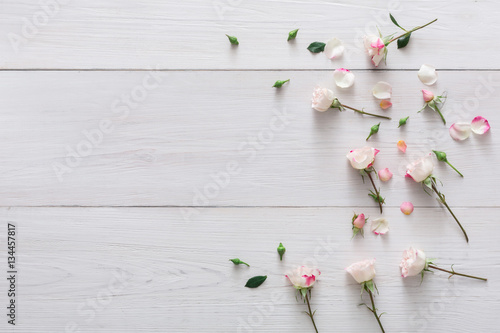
{"x": 343, "y": 78}
{"x": 427, "y": 74}
{"x": 380, "y": 226}
{"x": 382, "y": 90}
{"x": 460, "y": 131}
{"x": 480, "y": 125}
{"x": 334, "y": 48}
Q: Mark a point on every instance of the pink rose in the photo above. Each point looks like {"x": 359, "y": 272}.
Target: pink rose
{"x": 428, "y": 96}
{"x": 359, "y": 221}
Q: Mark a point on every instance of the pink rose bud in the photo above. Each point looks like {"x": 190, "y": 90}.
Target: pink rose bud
{"x": 428, "y": 96}
{"x": 406, "y": 208}
{"x": 385, "y": 174}
{"x": 359, "y": 221}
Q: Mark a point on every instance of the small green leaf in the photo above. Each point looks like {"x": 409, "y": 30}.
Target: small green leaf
{"x": 316, "y": 47}
{"x": 255, "y": 281}
{"x": 395, "y": 22}
{"x": 403, "y": 41}
{"x": 280, "y": 83}
{"x": 233, "y": 40}
{"x": 292, "y": 34}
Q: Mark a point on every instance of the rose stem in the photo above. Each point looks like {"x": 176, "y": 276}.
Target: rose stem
{"x": 455, "y": 273}
{"x": 374, "y": 310}
{"x": 449, "y": 209}
{"x": 440, "y": 114}
{"x": 376, "y": 191}
{"x": 412, "y": 30}
{"x": 454, "y": 168}
{"x": 363, "y": 112}
{"x": 310, "y": 313}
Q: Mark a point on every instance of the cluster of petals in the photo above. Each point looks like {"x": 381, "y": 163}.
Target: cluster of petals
{"x": 462, "y": 130}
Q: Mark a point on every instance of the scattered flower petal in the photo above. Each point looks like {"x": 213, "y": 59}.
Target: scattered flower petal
{"x": 382, "y": 90}
{"x": 385, "y": 174}
{"x": 322, "y": 99}
{"x": 385, "y": 104}
{"x": 427, "y": 74}
{"x": 380, "y": 226}
{"x": 402, "y": 145}
{"x": 344, "y": 78}
{"x": 428, "y": 95}
{"x": 460, "y": 131}
{"x": 480, "y": 125}
{"x": 334, "y": 48}
{"x": 406, "y": 208}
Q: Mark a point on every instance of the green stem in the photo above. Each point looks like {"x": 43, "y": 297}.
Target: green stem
{"x": 454, "y": 168}
{"x": 311, "y": 314}
{"x": 443, "y": 201}
{"x": 376, "y": 191}
{"x": 455, "y": 273}
{"x": 440, "y": 114}
{"x": 374, "y": 310}
{"x": 363, "y": 112}
{"x": 409, "y": 32}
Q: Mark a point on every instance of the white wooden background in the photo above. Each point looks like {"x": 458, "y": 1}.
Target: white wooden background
{"x": 121, "y": 240}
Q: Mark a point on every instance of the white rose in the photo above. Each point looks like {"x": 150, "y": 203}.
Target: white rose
{"x": 362, "y": 271}
{"x": 303, "y": 277}
{"x": 322, "y": 99}
{"x": 375, "y": 48}
{"x": 362, "y": 158}
{"x": 413, "y": 262}
{"x": 420, "y": 169}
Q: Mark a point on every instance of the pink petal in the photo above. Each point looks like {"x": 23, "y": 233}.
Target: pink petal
{"x": 385, "y": 174}
{"x": 402, "y": 146}
{"x": 480, "y": 125}
{"x": 385, "y": 104}
{"x": 460, "y": 131}
{"x": 406, "y": 208}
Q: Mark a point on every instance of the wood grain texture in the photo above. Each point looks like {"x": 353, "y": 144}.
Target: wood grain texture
{"x": 147, "y": 270}
{"x": 191, "y": 34}
{"x": 166, "y": 148}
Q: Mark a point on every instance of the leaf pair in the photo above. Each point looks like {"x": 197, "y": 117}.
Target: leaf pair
{"x": 403, "y": 40}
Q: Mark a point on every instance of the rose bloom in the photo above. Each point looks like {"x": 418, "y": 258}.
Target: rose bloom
{"x": 322, "y": 99}
{"x": 420, "y": 169}
{"x": 362, "y": 158}
{"x": 359, "y": 222}
{"x": 303, "y": 277}
{"x": 375, "y": 48}
{"x": 362, "y": 271}
{"x": 413, "y": 262}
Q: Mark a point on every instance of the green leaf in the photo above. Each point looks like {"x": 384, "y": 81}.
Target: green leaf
{"x": 395, "y": 22}
{"x": 316, "y": 47}
{"x": 233, "y": 40}
{"x": 292, "y": 34}
{"x": 280, "y": 83}
{"x": 403, "y": 41}
{"x": 255, "y": 281}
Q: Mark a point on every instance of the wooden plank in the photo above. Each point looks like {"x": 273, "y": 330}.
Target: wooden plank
{"x": 191, "y": 35}
{"x": 147, "y": 270}
{"x": 185, "y": 134}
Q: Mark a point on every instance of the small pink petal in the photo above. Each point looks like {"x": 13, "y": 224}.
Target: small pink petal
{"x": 402, "y": 146}
{"x": 428, "y": 95}
{"x": 406, "y": 208}
{"x": 385, "y": 104}
{"x": 385, "y": 174}
{"x": 480, "y": 125}
{"x": 460, "y": 131}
